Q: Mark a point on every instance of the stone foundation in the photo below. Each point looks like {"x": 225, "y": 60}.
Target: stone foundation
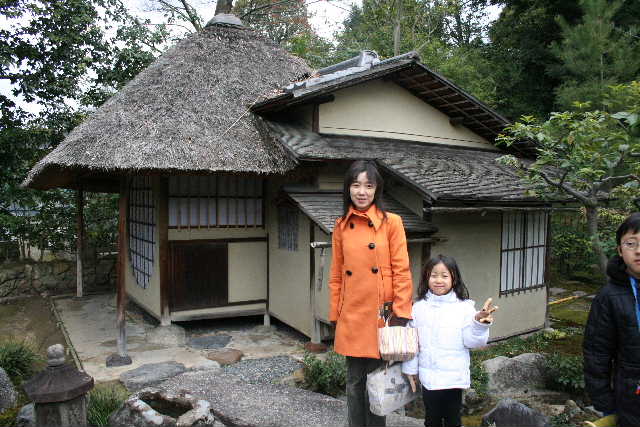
{"x": 55, "y": 277}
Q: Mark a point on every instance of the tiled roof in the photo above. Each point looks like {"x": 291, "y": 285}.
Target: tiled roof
{"x": 324, "y": 208}
{"x": 438, "y": 172}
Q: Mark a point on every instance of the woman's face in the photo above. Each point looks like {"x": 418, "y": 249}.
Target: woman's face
{"x": 440, "y": 280}
{"x": 362, "y": 191}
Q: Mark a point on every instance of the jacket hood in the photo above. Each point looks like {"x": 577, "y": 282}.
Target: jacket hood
{"x": 617, "y": 271}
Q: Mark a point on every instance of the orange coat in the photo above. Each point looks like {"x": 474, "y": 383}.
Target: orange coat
{"x": 370, "y": 265}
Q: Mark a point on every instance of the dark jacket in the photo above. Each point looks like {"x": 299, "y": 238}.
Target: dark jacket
{"x": 612, "y": 348}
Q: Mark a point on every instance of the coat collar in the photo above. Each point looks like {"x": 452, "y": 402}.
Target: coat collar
{"x": 449, "y": 297}
{"x": 372, "y": 214}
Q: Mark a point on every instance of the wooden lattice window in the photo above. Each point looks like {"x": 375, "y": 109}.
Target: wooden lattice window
{"x": 524, "y": 247}
{"x": 287, "y": 227}
{"x": 215, "y": 201}
{"x": 142, "y": 230}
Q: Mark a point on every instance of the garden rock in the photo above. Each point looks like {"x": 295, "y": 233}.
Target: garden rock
{"x": 205, "y": 365}
{"x": 26, "y": 417}
{"x": 472, "y": 401}
{"x": 572, "y": 409}
{"x": 210, "y": 341}
{"x": 517, "y": 375}
{"x": 149, "y": 374}
{"x": 8, "y": 395}
{"x": 153, "y": 407}
{"x": 511, "y": 413}
{"x": 171, "y": 336}
{"x": 224, "y": 357}
{"x": 556, "y": 291}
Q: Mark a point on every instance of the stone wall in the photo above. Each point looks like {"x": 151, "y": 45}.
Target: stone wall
{"x": 55, "y": 277}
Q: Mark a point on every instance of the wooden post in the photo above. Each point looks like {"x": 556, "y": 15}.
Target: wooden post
{"x": 121, "y": 358}
{"x": 163, "y": 249}
{"x": 79, "y": 241}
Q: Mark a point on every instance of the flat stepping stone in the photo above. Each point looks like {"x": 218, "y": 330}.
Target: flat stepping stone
{"x": 236, "y": 402}
{"x": 210, "y": 341}
{"x": 557, "y": 291}
{"x": 226, "y": 356}
{"x": 150, "y": 374}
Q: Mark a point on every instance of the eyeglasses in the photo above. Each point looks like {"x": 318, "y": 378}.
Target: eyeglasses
{"x": 630, "y": 245}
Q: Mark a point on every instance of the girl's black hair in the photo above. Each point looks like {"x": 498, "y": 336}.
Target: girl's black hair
{"x": 631, "y": 224}
{"x": 458, "y": 285}
{"x": 373, "y": 175}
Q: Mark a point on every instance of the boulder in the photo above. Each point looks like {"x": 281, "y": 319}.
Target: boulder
{"x": 171, "y": 336}
{"x": 224, "y": 357}
{"x": 26, "y": 417}
{"x": 210, "y": 341}
{"x": 149, "y": 374}
{"x": 472, "y": 401}
{"x": 516, "y": 375}
{"x": 156, "y": 408}
{"x": 511, "y": 413}
{"x": 8, "y": 395}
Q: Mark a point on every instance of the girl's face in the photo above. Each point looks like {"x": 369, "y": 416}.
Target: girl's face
{"x": 440, "y": 280}
{"x": 362, "y": 191}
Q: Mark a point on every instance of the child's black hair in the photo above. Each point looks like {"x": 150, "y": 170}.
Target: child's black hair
{"x": 373, "y": 175}
{"x": 631, "y": 224}
{"x": 458, "y": 285}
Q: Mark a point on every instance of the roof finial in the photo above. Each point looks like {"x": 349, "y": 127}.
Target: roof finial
{"x": 225, "y": 19}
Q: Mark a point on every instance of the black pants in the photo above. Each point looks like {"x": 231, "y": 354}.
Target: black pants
{"x": 442, "y": 407}
{"x": 357, "y": 395}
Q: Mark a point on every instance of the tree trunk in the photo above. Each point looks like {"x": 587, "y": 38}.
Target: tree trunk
{"x": 224, "y": 6}
{"x": 398, "y": 28}
{"x": 592, "y": 224}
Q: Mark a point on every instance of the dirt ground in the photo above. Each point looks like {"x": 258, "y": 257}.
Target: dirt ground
{"x": 30, "y": 320}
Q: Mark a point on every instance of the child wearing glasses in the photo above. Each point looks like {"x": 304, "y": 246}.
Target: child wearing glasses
{"x": 448, "y": 326}
{"x": 612, "y": 338}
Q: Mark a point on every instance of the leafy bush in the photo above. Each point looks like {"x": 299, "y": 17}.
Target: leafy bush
{"x": 104, "y": 399}
{"x": 564, "y": 373}
{"x": 479, "y": 377}
{"x": 325, "y": 376}
{"x": 18, "y": 359}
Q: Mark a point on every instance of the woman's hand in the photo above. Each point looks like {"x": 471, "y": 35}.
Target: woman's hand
{"x": 484, "y": 315}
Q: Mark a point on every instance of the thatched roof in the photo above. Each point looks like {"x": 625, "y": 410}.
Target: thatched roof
{"x": 187, "y": 112}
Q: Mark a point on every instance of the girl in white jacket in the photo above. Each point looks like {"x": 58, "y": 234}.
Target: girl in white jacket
{"x": 448, "y": 326}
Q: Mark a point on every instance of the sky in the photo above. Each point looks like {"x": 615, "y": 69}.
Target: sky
{"x": 327, "y": 15}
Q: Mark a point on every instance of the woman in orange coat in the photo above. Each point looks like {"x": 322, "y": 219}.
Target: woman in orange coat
{"x": 370, "y": 267}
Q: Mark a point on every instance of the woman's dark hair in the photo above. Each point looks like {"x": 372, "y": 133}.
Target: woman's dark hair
{"x": 631, "y": 224}
{"x": 456, "y": 278}
{"x": 373, "y": 175}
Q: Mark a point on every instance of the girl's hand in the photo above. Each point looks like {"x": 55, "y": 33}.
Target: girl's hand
{"x": 484, "y": 315}
{"x": 413, "y": 380}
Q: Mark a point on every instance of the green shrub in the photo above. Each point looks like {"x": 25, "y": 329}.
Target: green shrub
{"x": 479, "y": 377}
{"x": 564, "y": 373}
{"x": 325, "y": 376}
{"x": 104, "y": 399}
{"x": 18, "y": 359}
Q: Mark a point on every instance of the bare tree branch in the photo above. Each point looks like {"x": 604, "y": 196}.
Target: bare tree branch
{"x": 614, "y": 181}
{"x": 265, "y": 6}
{"x": 564, "y": 187}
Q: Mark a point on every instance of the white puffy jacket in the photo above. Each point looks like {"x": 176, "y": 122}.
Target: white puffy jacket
{"x": 447, "y": 329}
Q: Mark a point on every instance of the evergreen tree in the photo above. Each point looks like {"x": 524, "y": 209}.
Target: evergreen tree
{"x": 594, "y": 54}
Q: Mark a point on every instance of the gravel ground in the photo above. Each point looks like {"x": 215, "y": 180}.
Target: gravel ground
{"x": 263, "y": 371}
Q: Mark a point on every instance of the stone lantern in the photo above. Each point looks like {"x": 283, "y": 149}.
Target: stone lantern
{"x": 59, "y": 392}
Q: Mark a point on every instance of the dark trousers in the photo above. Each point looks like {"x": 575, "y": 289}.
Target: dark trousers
{"x": 357, "y": 396}
{"x": 442, "y": 407}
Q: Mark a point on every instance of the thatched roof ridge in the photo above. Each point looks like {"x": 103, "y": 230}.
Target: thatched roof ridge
{"x": 186, "y": 112}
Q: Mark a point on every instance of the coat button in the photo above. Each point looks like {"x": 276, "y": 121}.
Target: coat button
{"x": 372, "y": 245}
{"x": 374, "y": 270}
{"x": 349, "y": 273}
{"x": 370, "y": 223}
{"x": 351, "y": 225}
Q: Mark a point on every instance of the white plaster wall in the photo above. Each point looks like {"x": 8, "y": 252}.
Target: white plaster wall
{"x": 289, "y": 274}
{"x": 385, "y": 110}
{"x": 148, "y": 298}
{"x": 247, "y": 271}
{"x": 474, "y": 241}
